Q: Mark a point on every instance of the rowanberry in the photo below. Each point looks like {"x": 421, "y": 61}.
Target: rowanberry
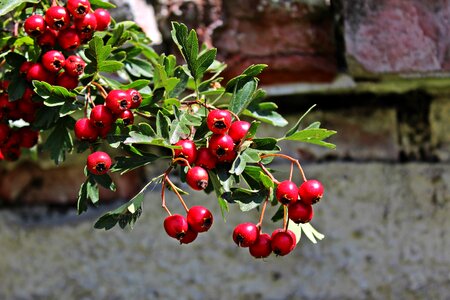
{"x": 176, "y": 226}
{"x": 126, "y": 116}
{"x": 74, "y": 65}
{"x": 67, "y": 81}
{"x": 69, "y": 39}
{"x": 98, "y": 163}
{"x": 85, "y": 130}
{"x": 48, "y": 38}
{"x": 262, "y": 247}
{"x": 135, "y": 97}
{"x": 53, "y": 61}
{"x": 188, "y": 151}
{"x": 310, "y": 191}
{"x": 206, "y": 159}
{"x": 300, "y": 212}
{"x": 103, "y": 18}
{"x": 245, "y": 234}
{"x": 38, "y": 72}
{"x": 101, "y": 116}
{"x": 197, "y": 178}
{"x": 78, "y": 8}
{"x": 57, "y": 17}
{"x": 199, "y": 218}
{"x": 238, "y": 130}
{"x": 283, "y": 242}
{"x": 221, "y": 145}
{"x": 189, "y": 236}
{"x": 118, "y": 101}
{"x": 29, "y": 137}
{"x": 35, "y": 25}
{"x": 87, "y": 24}
{"x": 286, "y": 192}
{"x": 218, "y": 120}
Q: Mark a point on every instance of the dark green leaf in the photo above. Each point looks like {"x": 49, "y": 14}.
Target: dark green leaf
{"x": 162, "y": 125}
{"x": 204, "y": 61}
{"x": 138, "y": 67}
{"x": 105, "y": 181}
{"x": 14, "y": 59}
{"x": 110, "y": 66}
{"x": 16, "y": 88}
{"x": 313, "y": 136}
{"x": 297, "y": 125}
{"x": 247, "y": 156}
{"x": 242, "y": 96}
{"x": 279, "y": 214}
{"x": 60, "y": 141}
{"x": 117, "y": 34}
{"x": 126, "y": 164}
{"x": 223, "y": 204}
{"x": 101, "y": 4}
{"x": 247, "y": 199}
{"x": 254, "y": 70}
{"x": 53, "y": 95}
{"x": 7, "y": 6}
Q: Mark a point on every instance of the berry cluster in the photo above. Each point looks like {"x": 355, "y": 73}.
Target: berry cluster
{"x": 186, "y": 229}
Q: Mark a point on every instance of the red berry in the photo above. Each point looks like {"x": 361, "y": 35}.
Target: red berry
{"x": 189, "y": 237}
{"x": 287, "y": 192}
{"x": 6, "y": 106}
{"x": 4, "y": 133}
{"x": 78, "y": 8}
{"x": 221, "y": 145}
{"x": 101, "y": 116}
{"x": 176, "y": 226}
{"x": 85, "y": 130}
{"x": 283, "y": 242}
{"x": 29, "y": 137}
{"x": 197, "y": 178}
{"x": 118, "y": 101}
{"x": 11, "y": 153}
{"x": 206, "y": 159}
{"x": 25, "y": 67}
{"x": 87, "y": 24}
{"x": 57, "y": 17}
{"x": 67, "y": 81}
{"x": 135, "y": 97}
{"x": 69, "y": 39}
{"x": 48, "y": 38}
{"x": 228, "y": 157}
{"x": 103, "y": 18}
{"x": 98, "y": 163}
{"x": 238, "y": 130}
{"x": 127, "y": 117}
{"x": 103, "y": 132}
{"x": 218, "y": 120}
{"x": 38, "y": 72}
{"x": 188, "y": 151}
{"x": 35, "y": 25}
{"x": 74, "y": 65}
{"x": 199, "y": 218}
{"x": 53, "y": 61}
{"x": 245, "y": 234}
{"x": 14, "y": 140}
{"x": 262, "y": 247}
{"x": 300, "y": 212}
{"x": 310, "y": 191}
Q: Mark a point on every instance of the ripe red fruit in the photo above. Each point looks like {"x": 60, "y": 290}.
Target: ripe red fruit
{"x": 228, "y": 157}
{"x": 4, "y": 133}
{"x": 218, "y": 120}
{"x": 53, "y": 60}
{"x": 69, "y": 39}
{"x": 98, "y": 163}
{"x": 188, "y": 151}
{"x": 310, "y": 191}
{"x": 6, "y": 106}
{"x": 101, "y": 116}
{"x": 29, "y": 137}
{"x": 283, "y": 242}
{"x": 38, "y": 72}
{"x": 189, "y": 237}
{"x": 14, "y": 140}
{"x": 176, "y": 226}
{"x": 206, "y": 159}
{"x": 127, "y": 117}
{"x": 103, "y": 132}
{"x": 118, "y": 101}
{"x": 74, "y": 65}
{"x": 286, "y": 192}
{"x": 25, "y": 67}
{"x": 78, "y": 8}
{"x": 262, "y": 247}
{"x": 57, "y": 17}
{"x": 300, "y": 212}
{"x": 135, "y": 97}
{"x": 238, "y": 130}
{"x": 35, "y": 25}
{"x": 199, "y": 218}
{"x": 85, "y": 130}
{"x": 87, "y": 24}
{"x": 67, "y": 81}
{"x": 245, "y": 234}
{"x": 103, "y": 18}
{"x": 221, "y": 145}
{"x": 11, "y": 153}
{"x": 48, "y": 38}
{"x": 197, "y": 178}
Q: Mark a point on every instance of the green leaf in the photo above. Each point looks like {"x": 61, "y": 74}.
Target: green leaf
{"x": 247, "y": 199}
{"x": 313, "y": 136}
{"x": 162, "y": 125}
{"x": 117, "y": 34}
{"x": 249, "y": 155}
{"x": 204, "y": 61}
{"x": 242, "y": 96}
{"x": 223, "y": 204}
{"x": 138, "y": 67}
{"x": 279, "y": 214}
{"x": 110, "y": 66}
{"x": 16, "y": 88}
{"x": 137, "y": 84}
{"x": 15, "y": 59}
{"x": 139, "y": 138}
{"x": 254, "y": 70}
{"x": 297, "y": 125}
{"x": 53, "y": 95}
{"x": 101, "y": 4}
{"x": 105, "y": 181}
{"x": 265, "y": 112}
{"x": 88, "y": 191}
{"x": 265, "y": 145}
{"x": 7, "y": 6}
{"x": 266, "y": 181}
{"x": 162, "y": 80}
{"x": 60, "y": 141}
{"x": 181, "y": 124}
{"x": 188, "y": 45}
{"x": 126, "y": 164}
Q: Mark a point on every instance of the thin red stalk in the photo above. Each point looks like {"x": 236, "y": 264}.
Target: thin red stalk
{"x": 290, "y": 159}
{"x": 268, "y": 173}
{"x": 174, "y": 188}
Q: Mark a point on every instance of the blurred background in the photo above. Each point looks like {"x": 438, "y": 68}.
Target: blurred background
{"x": 379, "y": 74}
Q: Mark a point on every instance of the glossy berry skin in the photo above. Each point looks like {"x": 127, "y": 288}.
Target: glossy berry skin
{"x": 48, "y": 38}
{"x": 53, "y": 61}
{"x": 57, "y": 17}
{"x": 245, "y": 234}
{"x": 176, "y": 226}
{"x": 38, "y": 72}
{"x": 199, "y": 218}
{"x": 103, "y": 18}
{"x": 283, "y": 242}
{"x": 205, "y": 159}
{"x": 78, "y": 8}
{"x": 87, "y": 24}
{"x": 69, "y": 39}
{"x": 85, "y": 130}
{"x": 4, "y": 133}
{"x": 101, "y": 116}
{"x": 189, "y": 237}
{"x": 25, "y": 67}
{"x": 135, "y": 97}
{"x": 238, "y": 130}
{"x": 98, "y": 163}
{"x": 221, "y": 145}
{"x": 300, "y": 212}
{"x": 286, "y": 192}
{"x": 310, "y": 191}
{"x": 188, "y": 151}
{"x": 197, "y": 178}
{"x": 218, "y": 121}
{"x": 118, "y": 101}
{"x": 228, "y": 157}
{"x": 74, "y": 65}
{"x": 67, "y": 81}
{"x": 29, "y": 137}
{"x": 6, "y": 107}
{"x": 127, "y": 117}
{"x": 35, "y": 25}
{"x": 262, "y": 247}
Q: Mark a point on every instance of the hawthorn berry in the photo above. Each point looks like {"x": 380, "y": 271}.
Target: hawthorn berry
{"x": 176, "y": 226}
{"x": 286, "y": 192}
{"x": 53, "y": 61}
{"x": 38, "y": 72}
{"x": 218, "y": 120}
{"x": 74, "y": 65}
{"x": 206, "y": 159}
{"x": 126, "y": 116}
{"x": 35, "y": 25}
{"x": 69, "y": 39}
{"x": 118, "y": 101}
{"x": 199, "y": 218}
{"x": 188, "y": 151}
{"x": 228, "y": 157}
{"x": 245, "y": 234}
{"x": 25, "y": 67}
{"x": 189, "y": 236}
{"x": 300, "y": 212}
{"x": 310, "y": 191}
{"x": 221, "y": 145}
{"x": 57, "y": 17}
{"x": 238, "y": 130}
{"x": 197, "y": 178}
{"x": 85, "y": 130}
{"x": 283, "y": 242}
{"x": 101, "y": 116}
{"x": 103, "y": 18}
{"x": 262, "y": 247}
{"x": 78, "y": 8}
{"x": 87, "y": 24}
{"x": 6, "y": 106}
{"x": 65, "y": 80}
{"x": 98, "y": 163}
{"x": 29, "y": 137}
{"x": 4, "y": 133}
{"x": 11, "y": 153}
{"x": 48, "y": 38}
{"x": 135, "y": 97}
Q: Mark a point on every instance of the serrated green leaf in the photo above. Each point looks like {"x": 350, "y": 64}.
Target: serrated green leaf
{"x": 313, "y": 136}
{"x": 204, "y": 61}
{"x": 181, "y": 124}
{"x": 53, "y": 95}
{"x": 247, "y": 156}
{"x": 162, "y": 125}
{"x": 138, "y": 67}
{"x": 137, "y": 84}
{"x": 266, "y": 181}
{"x": 126, "y": 164}
{"x": 60, "y": 141}
{"x": 117, "y": 34}
{"x": 247, "y": 199}
{"x": 254, "y": 70}
{"x": 7, "y": 6}
{"x": 15, "y": 59}
{"x": 139, "y": 138}
{"x": 223, "y": 204}
{"x": 265, "y": 112}
{"x": 297, "y": 124}
{"x": 105, "y": 181}
{"x": 110, "y": 66}
{"x": 92, "y": 190}
{"x": 242, "y": 96}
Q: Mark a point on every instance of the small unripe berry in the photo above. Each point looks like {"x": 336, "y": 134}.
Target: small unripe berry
{"x": 300, "y": 212}
{"x": 199, "y": 218}
{"x": 262, "y": 247}
{"x": 103, "y": 18}
{"x": 245, "y": 234}
{"x": 238, "y": 130}
{"x": 35, "y": 25}
{"x": 85, "y": 130}
{"x": 188, "y": 151}
{"x": 218, "y": 120}
{"x": 197, "y": 178}
{"x": 118, "y": 101}
{"x": 176, "y": 226}
{"x": 310, "y": 191}
{"x": 286, "y": 192}
{"x": 98, "y": 163}
{"x": 57, "y": 17}
{"x": 53, "y": 61}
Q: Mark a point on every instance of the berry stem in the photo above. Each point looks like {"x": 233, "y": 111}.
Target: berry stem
{"x": 54, "y": 3}
{"x": 163, "y": 196}
{"x": 100, "y": 88}
{"x": 143, "y": 115}
{"x": 268, "y": 173}
{"x": 263, "y": 210}
{"x": 181, "y": 159}
{"x": 234, "y": 115}
{"x": 175, "y": 190}
{"x": 291, "y": 171}
{"x": 285, "y": 218}
{"x": 295, "y": 161}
